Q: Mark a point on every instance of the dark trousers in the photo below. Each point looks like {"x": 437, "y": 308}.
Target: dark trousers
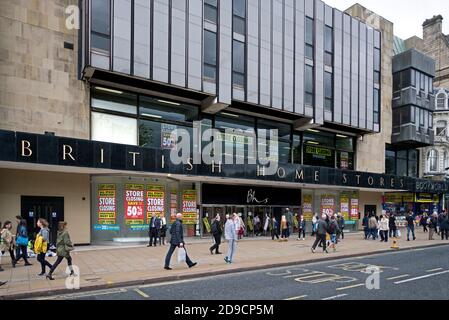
{"x": 153, "y": 236}
{"x": 392, "y": 232}
{"x": 320, "y": 238}
{"x": 384, "y": 235}
{"x": 444, "y": 233}
{"x": 303, "y": 232}
{"x": 59, "y": 260}
{"x": 412, "y": 230}
{"x": 284, "y": 234}
{"x": 216, "y": 246}
{"x": 425, "y": 228}
{"x": 44, "y": 263}
{"x": 274, "y": 233}
{"x": 366, "y": 230}
{"x": 170, "y": 253}
{"x": 342, "y": 233}
{"x": 21, "y": 252}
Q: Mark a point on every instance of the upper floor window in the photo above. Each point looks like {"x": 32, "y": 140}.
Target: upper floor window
{"x": 441, "y": 101}
{"x": 376, "y": 106}
{"x": 239, "y": 16}
{"x": 328, "y": 46}
{"x": 238, "y": 63}
{"x": 432, "y": 161}
{"x": 210, "y": 55}
{"x": 446, "y": 160}
{"x": 210, "y": 11}
{"x": 441, "y": 128}
{"x": 310, "y": 86}
{"x": 309, "y": 37}
{"x": 328, "y": 91}
{"x": 377, "y": 59}
{"x": 101, "y": 26}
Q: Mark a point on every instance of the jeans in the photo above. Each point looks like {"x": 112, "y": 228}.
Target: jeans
{"x": 412, "y": 230}
{"x": 373, "y": 233}
{"x": 217, "y": 238}
{"x": 367, "y": 232}
{"x": 284, "y": 233}
{"x": 21, "y": 252}
{"x": 384, "y": 235}
{"x": 170, "y": 253}
{"x": 274, "y": 233}
{"x": 231, "y": 249}
{"x": 444, "y": 233}
{"x": 59, "y": 260}
{"x": 303, "y": 232}
{"x": 44, "y": 263}
{"x": 392, "y": 232}
{"x": 153, "y": 236}
{"x": 320, "y": 238}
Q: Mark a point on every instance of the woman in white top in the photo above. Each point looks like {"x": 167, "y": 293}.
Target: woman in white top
{"x": 383, "y": 228}
{"x": 163, "y": 231}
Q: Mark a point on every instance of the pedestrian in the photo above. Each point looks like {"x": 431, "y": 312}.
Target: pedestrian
{"x": 155, "y": 226}
{"x": 240, "y": 226}
{"x": 341, "y": 226}
{"x": 41, "y": 245}
{"x": 314, "y": 224}
{"x": 392, "y": 226}
{"x": 217, "y": 232}
{"x": 383, "y": 228}
{"x": 275, "y": 229}
{"x": 256, "y": 225}
{"x": 373, "y": 227}
{"x": 289, "y": 216}
{"x": 302, "y": 228}
{"x": 321, "y": 234}
{"x": 177, "y": 241}
{"x": 163, "y": 233}
{"x": 444, "y": 227}
{"x": 432, "y": 221}
{"x": 22, "y": 242}
{"x": 333, "y": 230}
{"x": 63, "y": 247}
{"x": 231, "y": 236}
{"x": 410, "y": 226}
{"x": 365, "y": 223}
{"x": 18, "y": 221}
{"x": 7, "y": 243}
{"x": 284, "y": 228}
{"x": 440, "y": 219}
{"x": 423, "y": 222}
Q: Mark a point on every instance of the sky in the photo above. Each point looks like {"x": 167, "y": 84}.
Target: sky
{"x": 407, "y": 15}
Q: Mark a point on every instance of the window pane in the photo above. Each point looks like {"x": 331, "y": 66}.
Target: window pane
{"x": 239, "y": 8}
{"x": 114, "y": 129}
{"x": 309, "y": 79}
{"x": 210, "y": 47}
{"x": 376, "y": 100}
{"x": 119, "y": 101}
{"x": 328, "y": 85}
{"x": 167, "y": 110}
{"x": 345, "y": 160}
{"x": 238, "y": 79}
{"x": 318, "y": 156}
{"x": 211, "y": 2}
{"x": 328, "y": 57}
{"x": 309, "y": 99}
{"x": 401, "y": 167}
{"x": 396, "y": 81}
{"x": 101, "y": 16}
{"x": 309, "y": 51}
{"x": 238, "y": 122}
{"x": 100, "y": 42}
{"x": 376, "y": 59}
{"x": 283, "y": 129}
{"x": 159, "y": 135}
{"x": 296, "y": 149}
{"x": 346, "y": 144}
{"x": 328, "y": 40}
{"x": 238, "y": 56}
{"x": 406, "y": 79}
{"x": 210, "y": 13}
{"x": 309, "y": 31}
{"x": 319, "y": 139}
{"x": 210, "y": 72}
{"x": 413, "y": 78}
{"x": 239, "y": 25}
{"x": 377, "y": 77}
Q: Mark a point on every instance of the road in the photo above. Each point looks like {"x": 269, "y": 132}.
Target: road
{"x": 417, "y": 274}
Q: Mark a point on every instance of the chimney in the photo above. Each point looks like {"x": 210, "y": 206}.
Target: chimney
{"x": 433, "y": 25}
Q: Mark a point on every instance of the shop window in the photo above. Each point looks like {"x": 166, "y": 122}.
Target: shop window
{"x": 210, "y": 55}
{"x": 153, "y": 108}
{"x": 101, "y": 26}
{"x": 114, "y": 129}
{"x": 296, "y": 146}
{"x": 318, "y": 138}
{"x": 432, "y": 161}
{"x": 113, "y": 100}
{"x": 318, "y": 156}
{"x": 160, "y": 135}
{"x": 401, "y": 163}
{"x": 344, "y": 143}
{"x": 345, "y": 160}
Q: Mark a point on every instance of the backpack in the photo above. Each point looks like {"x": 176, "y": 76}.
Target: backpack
{"x": 332, "y": 228}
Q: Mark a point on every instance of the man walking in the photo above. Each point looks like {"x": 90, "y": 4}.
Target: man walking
{"x": 410, "y": 226}
{"x": 289, "y": 216}
{"x": 373, "y": 227}
{"x": 444, "y": 227}
{"x": 341, "y": 226}
{"x": 432, "y": 222}
{"x": 392, "y": 225}
{"x": 231, "y": 236}
{"x": 177, "y": 241}
{"x": 217, "y": 231}
{"x": 365, "y": 223}
{"x": 321, "y": 234}
{"x": 155, "y": 226}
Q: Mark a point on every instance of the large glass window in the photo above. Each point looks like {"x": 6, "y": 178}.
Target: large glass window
{"x": 113, "y": 128}
{"x": 412, "y": 163}
{"x": 319, "y": 148}
{"x": 390, "y": 162}
{"x": 401, "y": 164}
{"x": 210, "y": 55}
{"x": 328, "y": 91}
{"x": 284, "y": 137}
{"x": 310, "y": 85}
{"x": 239, "y": 12}
{"x": 238, "y": 63}
{"x": 113, "y": 100}
{"x": 101, "y": 26}
{"x": 432, "y": 161}
{"x": 441, "y": 101}
{"x": 167, "y": 110}
{"x": 210, "y": 11}
{"x": 309, "y": 38}
{"x": 328, "y": 46}
{"x": 376, "y": 106}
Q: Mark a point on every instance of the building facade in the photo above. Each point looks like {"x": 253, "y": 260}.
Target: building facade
{"x": 92, "y": 119}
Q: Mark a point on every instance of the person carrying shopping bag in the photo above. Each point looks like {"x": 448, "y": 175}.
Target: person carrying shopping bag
{"x": 7, "y": 243}
{"x": 41, "y": 245}
{"x": 63, "y": 248}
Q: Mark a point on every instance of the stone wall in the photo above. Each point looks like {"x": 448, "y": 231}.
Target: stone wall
{"x": 39, "y": 86}
{"x": 371, "y": 151}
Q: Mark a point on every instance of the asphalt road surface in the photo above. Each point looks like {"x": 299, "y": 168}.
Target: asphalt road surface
{"x": 417, "y": 274}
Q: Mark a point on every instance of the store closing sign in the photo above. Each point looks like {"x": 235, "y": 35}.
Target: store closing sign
{"x": 155, "y": 201}
{"x": 106, "y": 204}
{"x": 189, "y": 207}
{"x": 328, "y": 204}
{"x": 134, "y": 204}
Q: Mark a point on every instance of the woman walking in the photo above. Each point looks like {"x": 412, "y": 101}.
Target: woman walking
{"x": 22, "y": 242}
{"x": 41, "y": 245}
{"x": 163, "y": 231}
{"x": 231, "y": 236}
{"x": 216, "y": 232}
{"x": 383, "y": 228}
{"x": 302, "y": 228}
{"x": 284, "y": 228}
{"x": 63, "y": 248}
{"x": 333, "y": 230}
{"x": 274, "y": 229}
{"x": 7, "y": 243}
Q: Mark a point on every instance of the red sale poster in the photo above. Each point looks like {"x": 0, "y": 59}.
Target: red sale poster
{"x": 328, "y": 204}
{"x": 134, "y": 204}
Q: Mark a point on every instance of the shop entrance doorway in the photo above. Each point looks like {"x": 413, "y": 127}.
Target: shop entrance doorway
{"x": 48, "y": 208}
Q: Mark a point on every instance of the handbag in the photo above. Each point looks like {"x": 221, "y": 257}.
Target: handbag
{"x": 182, "y": 255}
{"x": 22, "y": 241}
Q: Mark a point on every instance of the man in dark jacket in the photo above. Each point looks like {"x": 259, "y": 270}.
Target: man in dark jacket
{"x": 341, "y": 226}
{"x": 365, "y": 223}
{"x": 444, "y": 227}
{"x": 392, "y": 225}
{"x": 177, "y": 241}
{"x": 155, "y": 227}
{"x": 321, "y": 233}
{"x": 217, "y": 232}
{"x": 410, "y": 226}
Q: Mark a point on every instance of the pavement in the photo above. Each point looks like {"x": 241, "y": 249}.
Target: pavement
{"x": 343, "y": 279}
{"x": 113, "y": 267}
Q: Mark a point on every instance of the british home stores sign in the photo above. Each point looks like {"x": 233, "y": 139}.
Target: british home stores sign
{"x": 52, "y": 150}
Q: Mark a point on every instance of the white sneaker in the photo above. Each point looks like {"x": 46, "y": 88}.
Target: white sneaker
{"x": 303, "y": 239}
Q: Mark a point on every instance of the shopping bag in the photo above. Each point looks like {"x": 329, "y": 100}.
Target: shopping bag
{"x": 181, "y": 255}
{"x": 398, "y": 233}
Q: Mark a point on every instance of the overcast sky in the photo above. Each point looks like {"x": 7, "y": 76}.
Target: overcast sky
{"x": 407, "y": 15}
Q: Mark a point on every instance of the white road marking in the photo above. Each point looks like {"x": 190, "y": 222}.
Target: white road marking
{"x": 335, "y": 297}
{"x": 398, "y": 277}
{"x": 422, "y": 277}
{"x": 84, "y": 295}
{"x": 143, "y": 294}
{"x": 296, "y": 298}
{"x": 350, "y": 287}
{"x": 433, "y": 270}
